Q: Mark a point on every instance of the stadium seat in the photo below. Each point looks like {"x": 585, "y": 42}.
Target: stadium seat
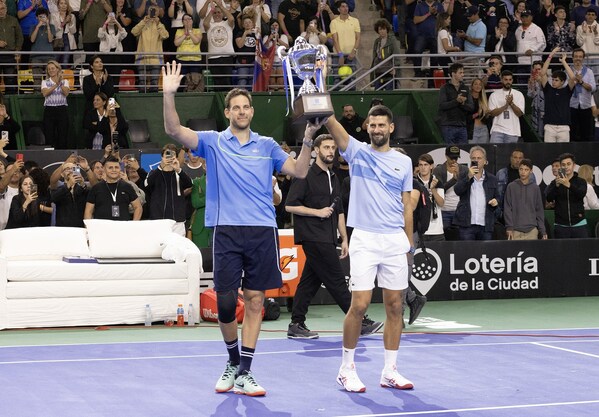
{"x": 69, "y": 75}
{"x": 139, "y": 131}
{"x": 127, "y": 81}
{"x": 25, "y": 80}
{"x": 201, "y": 124}
{"x": 404, "y": 131}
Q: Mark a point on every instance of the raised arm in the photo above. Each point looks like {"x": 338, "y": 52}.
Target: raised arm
{"x": 569, "y": 72}
{"x": 338, "y": 132}
{"x": 543, "y": 73}
{"x": 299, "y": 168}
{"x": 171, "y": 78}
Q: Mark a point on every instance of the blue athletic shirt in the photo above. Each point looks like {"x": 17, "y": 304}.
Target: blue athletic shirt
{"x": 239, "y": 178}
{"x": 377, "y": 181}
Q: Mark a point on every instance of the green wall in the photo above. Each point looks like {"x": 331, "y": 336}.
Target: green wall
{"x": 269, "y": 117}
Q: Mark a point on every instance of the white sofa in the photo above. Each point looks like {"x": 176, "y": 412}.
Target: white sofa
{"x": 39, "y": 289}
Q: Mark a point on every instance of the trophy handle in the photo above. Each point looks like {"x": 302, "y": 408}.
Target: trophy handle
{"x": 281, "y": 52}
{"x": 320, "y": 76}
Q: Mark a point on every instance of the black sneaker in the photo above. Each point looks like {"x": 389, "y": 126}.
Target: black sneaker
{"x": 370, "y": 326}
{"x": 300, "y": 331}
{"x": 416, "y": 307}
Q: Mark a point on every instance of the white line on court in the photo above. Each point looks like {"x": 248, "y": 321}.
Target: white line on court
{"x": 567, "y": 350}
{"x": 457, "y": 410}
{"x": 282, "y": 352}
{"x": 405, "y": 336}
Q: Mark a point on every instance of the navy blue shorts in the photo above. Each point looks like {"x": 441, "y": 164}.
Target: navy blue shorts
{"x": 253, "y": 250}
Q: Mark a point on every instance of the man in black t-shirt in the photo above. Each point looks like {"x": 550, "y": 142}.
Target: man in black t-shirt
{"x": 110, "y": 199}
{"x": 292, "y": 19}
{"x": 557, "y": 100}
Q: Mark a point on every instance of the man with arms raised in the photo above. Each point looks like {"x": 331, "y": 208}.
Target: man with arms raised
{"x": 239, "y": 208}
{"x": 381, "y": 215}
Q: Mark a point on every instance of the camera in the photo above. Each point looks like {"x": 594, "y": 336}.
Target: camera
{"x": 561, "y": 172}
{"x": 77, "y": 170}
{"x": 474, "y": 164}
{"x": 33, "y": 189}
{"x": 152, "y": 12}
{"x": 169, "y": 154}
{"x": 5, "y": 134}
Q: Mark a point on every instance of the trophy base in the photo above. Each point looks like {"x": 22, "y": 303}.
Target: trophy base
{"x": 311, "y": 107}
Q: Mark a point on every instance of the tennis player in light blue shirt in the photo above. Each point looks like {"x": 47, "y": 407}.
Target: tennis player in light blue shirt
{"x": 380, "y": 211}
{"x": 239, "y": 208}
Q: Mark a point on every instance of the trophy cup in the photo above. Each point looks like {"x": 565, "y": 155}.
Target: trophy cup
{"x": 307, "y": 61}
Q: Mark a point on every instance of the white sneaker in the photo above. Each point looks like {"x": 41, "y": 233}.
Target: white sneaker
{"x": 348, "y": 379}
{"x": 390, "y": 378}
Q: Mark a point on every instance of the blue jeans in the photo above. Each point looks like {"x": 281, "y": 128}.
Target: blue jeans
{"x": 475, "y": 232}
{"x": 245, "y": 76}
{"x": 497, "y": 137}
{"x": 455, "y": 134}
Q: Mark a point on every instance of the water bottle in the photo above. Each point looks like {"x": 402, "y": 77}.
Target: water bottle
{"x": 180, "y": 315}
{"x": 148, "y": 321}
{"x": 190, "y": 317}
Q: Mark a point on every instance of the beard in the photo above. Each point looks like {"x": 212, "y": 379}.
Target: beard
{"x": 379, "y": 140}
{"x": 326, "y": 159}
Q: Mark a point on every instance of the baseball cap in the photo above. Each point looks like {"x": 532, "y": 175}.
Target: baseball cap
{"x": 526, "y": 13}
{"x": 453, "y": 152}
{"x": 471, "y": 11}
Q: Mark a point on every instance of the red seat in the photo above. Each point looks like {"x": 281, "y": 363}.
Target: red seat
{"x": 439, "y": 78}
{"x": 127, "y": 80}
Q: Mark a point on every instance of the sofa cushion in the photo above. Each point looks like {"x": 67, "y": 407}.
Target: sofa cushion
{"x": 40, "y": 243}
{"x": 127, "y": 239}
{"x": 176, "y": 248}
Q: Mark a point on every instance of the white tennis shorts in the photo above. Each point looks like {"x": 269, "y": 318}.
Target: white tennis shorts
{"x": 380, "y": 256}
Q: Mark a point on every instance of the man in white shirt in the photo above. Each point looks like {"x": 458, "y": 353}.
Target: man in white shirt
{"x": 506, "y": 106}
{"x": 9, "y": 187}
{"x": 530, "y": 40}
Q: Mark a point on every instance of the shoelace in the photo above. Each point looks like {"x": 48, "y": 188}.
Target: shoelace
{"x": 228, "y": 371}
{"x": 250, "y": 380}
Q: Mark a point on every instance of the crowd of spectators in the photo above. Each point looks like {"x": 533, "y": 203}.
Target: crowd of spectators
{"x": 157, "y": 30}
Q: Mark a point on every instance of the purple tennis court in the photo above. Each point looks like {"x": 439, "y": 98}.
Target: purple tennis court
{"x": 494, "y": 374}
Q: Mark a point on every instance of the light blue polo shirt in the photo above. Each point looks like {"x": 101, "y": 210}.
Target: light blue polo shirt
{"x": 377, "y": 181}
{"x": 239, "y": 178}
{"x": 476, "y": 30}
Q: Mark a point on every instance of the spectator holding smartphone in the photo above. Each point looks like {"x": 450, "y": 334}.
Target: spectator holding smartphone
{"x": 105, "y": 124}
{"x": 25, "y": 210}
{"x": 567, "y": 192}
{"x": 455, "y": 104}
{"x": 165, "y": 187}
{"x": 479, "y": 199}
{"x": 68, "y": 191}
{"x": 8, "y": 129}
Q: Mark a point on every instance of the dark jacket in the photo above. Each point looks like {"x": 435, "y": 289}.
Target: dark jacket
{"x": 166, "y": 200}
{"x": 93, "y": 125}
{"x": 508, "y": 43}
{"x": 463, "y": 214}
{"x": 452, "y": 113}
{"x": 569, "y": 206}
{"x": 69, "y": 205}
{"x": 440, "y": 172}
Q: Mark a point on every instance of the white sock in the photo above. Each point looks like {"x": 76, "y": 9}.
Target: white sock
{"x": 390, "y": 359}
{"x": 348, "y": 357}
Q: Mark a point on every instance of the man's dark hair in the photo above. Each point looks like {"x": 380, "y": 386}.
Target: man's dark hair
{"x": 560, "y": 7}
{"x": 566, "y": 156}
{"x": 237, "y": 92}
{"x": 169, "y": 147}
{"x": 340, "y": 2}
{"x": 30, "y": 164}
{"x": 455, "y": 67}
{"x": 579, "y": 50}
{"x": 506, "y": 73}
{"x": 559, "y": 74}
{"x": 526, "y": 162}
{"x": 382, "y": 23}
{"x": 381, "y": 110}
{"x": 345, "y": 105}
{"x": 426, "y": 158}
{"x": 320, "y": 138}
{"x": 376, "y": 101}
{"x": 42, "y": 11}
{"x": 111, "y": 158}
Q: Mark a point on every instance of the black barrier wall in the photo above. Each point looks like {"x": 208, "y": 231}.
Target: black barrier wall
{"x": 507, "y": 269}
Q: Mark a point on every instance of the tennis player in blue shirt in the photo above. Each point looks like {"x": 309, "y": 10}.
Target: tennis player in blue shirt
{"x": 380, "y": 211}
{"x": 239, "y": 208}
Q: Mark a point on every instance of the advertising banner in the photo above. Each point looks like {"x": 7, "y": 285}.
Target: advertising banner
{"x": 470, "y": 270}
